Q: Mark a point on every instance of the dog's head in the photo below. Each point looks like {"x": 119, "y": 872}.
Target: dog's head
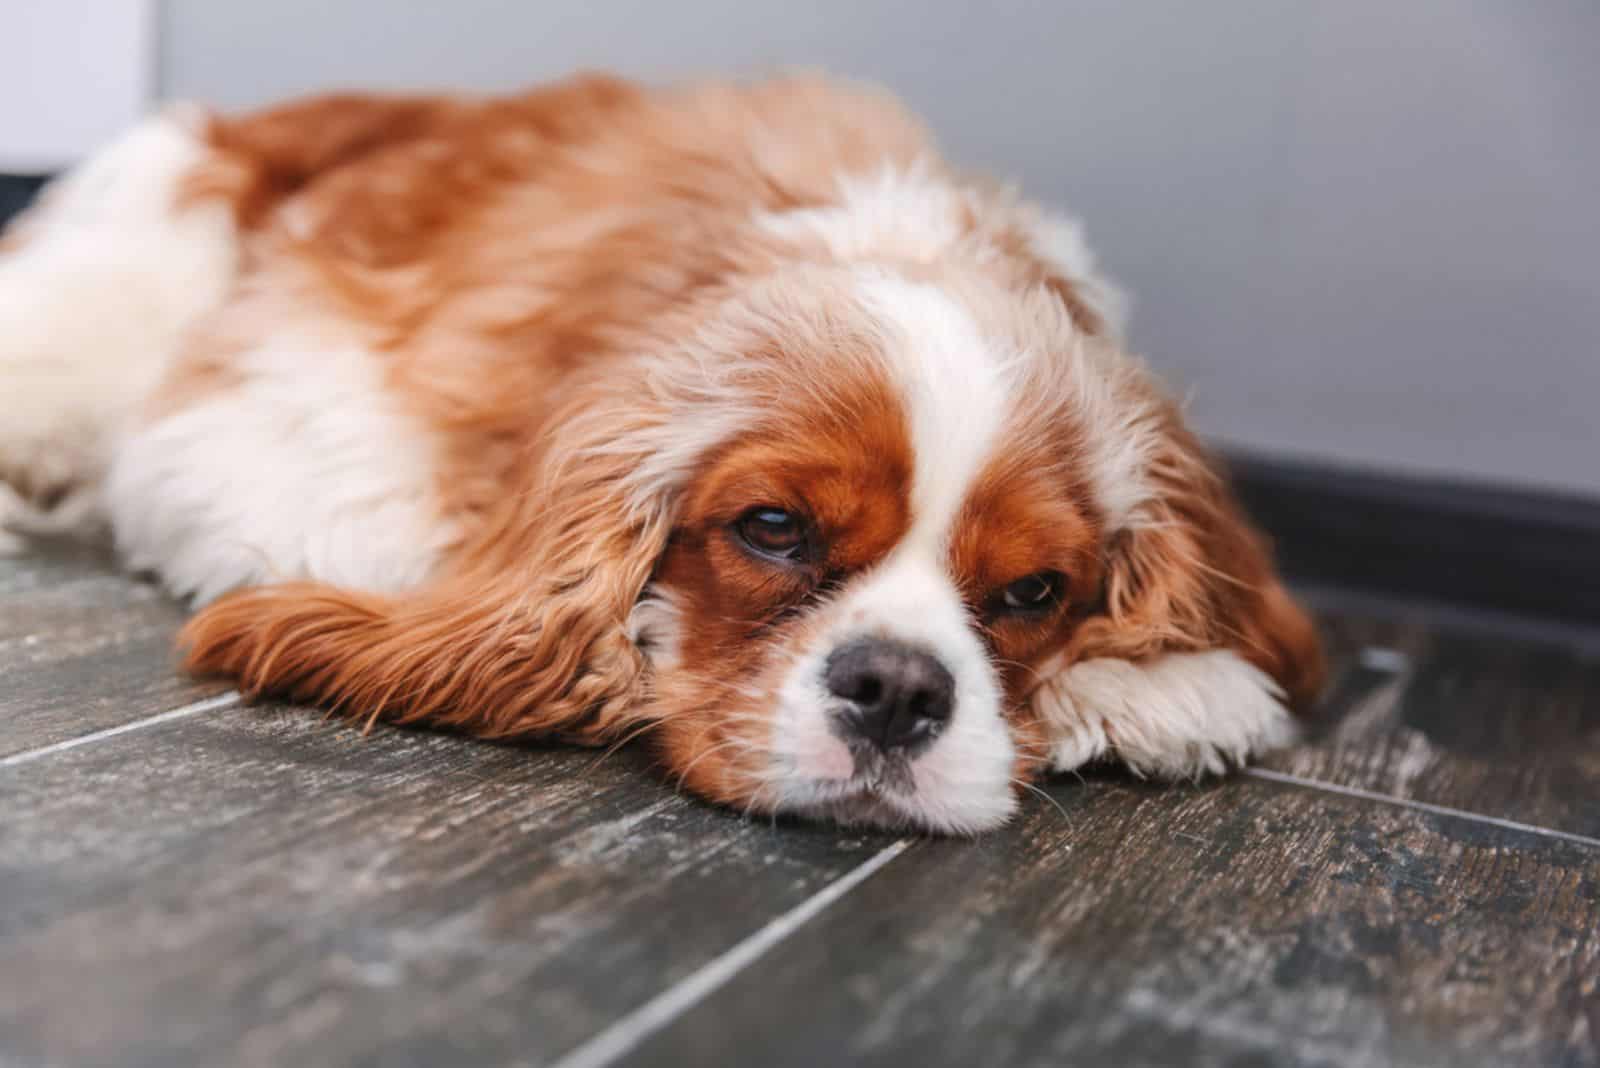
{"x": 918, "y": 536}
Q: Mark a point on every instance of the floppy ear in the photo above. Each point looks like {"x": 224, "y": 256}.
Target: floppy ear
{"x": 528, "y": 638}
{"x": 1199, "y": 652}
{"x": 1056, "y": 256}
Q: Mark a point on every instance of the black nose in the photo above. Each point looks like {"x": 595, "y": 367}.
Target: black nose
{"x": 898, "y": 696}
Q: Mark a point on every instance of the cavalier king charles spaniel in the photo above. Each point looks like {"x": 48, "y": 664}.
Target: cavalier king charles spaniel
{"x": 731, "y": 416}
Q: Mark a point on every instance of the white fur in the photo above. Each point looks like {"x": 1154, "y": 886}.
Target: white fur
{"x": 1059, "y": 242}
{"x": 908, "y": 215}
{"x": 306, "y": 469}
{"x": 1121, "y": 433}
{"x": 93, "y": 305}
{"x": 1178, "y": 716}
{"x": 918, "y": 215}
{"x": 958, "y": 392}
{"x": 963, "y": 779}
{"x": 806, "y": 754}
{"x": 656, "y": 626}
{"x": 962, "y": 782}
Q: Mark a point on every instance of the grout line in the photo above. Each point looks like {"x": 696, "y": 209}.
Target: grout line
{"x": 1420, "y": 806}
{"x": 623, "y": 1036}
{"x": 222, "y": 700}
{"x": 1380, "y": 658}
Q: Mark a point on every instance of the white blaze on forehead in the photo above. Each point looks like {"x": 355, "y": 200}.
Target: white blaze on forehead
{"x": 902, "y": 213}
{"x": 957, "y": 390}
{"x": 916, "y": 214}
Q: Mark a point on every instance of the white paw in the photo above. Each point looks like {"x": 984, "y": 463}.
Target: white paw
{"x": 111, "y": 272}
{"x": 1076, "y": 743}
{"x": 11, "y": 509}
{"x": 1176, "y": 716}
{"x": 77, "y": 514}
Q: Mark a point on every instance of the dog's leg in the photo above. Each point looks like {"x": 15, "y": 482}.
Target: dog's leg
{"x": 99, "y": 280}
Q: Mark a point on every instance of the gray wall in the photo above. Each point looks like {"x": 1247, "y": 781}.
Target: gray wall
{"x": 1362, "y": 231}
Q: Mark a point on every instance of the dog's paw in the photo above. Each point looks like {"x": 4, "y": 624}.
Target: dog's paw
{"x": 31, "y": 506}
{"x": 66, "y": 388}
{"x": 1177, "y": 716}
{"x": 12, "y": 509}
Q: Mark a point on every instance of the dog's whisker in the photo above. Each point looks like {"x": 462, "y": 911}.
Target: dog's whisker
{"x": 1031, "y": 788}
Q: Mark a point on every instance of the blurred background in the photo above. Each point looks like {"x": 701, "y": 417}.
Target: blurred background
{"x": 1362, "y": 233}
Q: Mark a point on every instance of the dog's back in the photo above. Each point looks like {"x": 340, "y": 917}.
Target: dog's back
{"x": 316, "y": 341}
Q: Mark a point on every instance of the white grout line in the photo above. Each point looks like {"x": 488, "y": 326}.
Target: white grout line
{"x": 627, "y": 1033}
{"x": 1377, "y": 658}
{"x": 222, "y": 700}
{"x": 1421, "y": 806}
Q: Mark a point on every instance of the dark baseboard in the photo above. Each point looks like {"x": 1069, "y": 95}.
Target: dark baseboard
{"x": 1521, "y": 552}
{"x": 16, "y": 191}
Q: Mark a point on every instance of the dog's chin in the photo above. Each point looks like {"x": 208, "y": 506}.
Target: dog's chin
{"x": 884, "y": 794}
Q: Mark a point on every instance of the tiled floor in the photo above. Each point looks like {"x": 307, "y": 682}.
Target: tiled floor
{"x": 185, "y": 881}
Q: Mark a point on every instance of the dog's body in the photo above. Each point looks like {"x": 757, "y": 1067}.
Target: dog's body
{"x": 730, "y": 413}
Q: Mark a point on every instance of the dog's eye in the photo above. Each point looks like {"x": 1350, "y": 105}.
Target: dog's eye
{"x": 774, "y": 532}
{"x": 1036, "y": 593}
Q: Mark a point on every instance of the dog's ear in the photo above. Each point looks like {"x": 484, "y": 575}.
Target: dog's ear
{"x": 528, "y": 637}
{"x": 1051, "y": 253}
{"x": 1198, "y": 652}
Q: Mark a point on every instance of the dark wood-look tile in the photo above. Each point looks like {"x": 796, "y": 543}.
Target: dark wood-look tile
{"x": 1243, "y": 924}
{"x": 82, "y": 648}
{"x": 261, "y": 887}
{"x": 46, "y": 563}
{"x": 1508, "y": 728}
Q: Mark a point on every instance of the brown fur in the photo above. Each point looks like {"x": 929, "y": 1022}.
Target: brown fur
{"x": 535, "y": 271}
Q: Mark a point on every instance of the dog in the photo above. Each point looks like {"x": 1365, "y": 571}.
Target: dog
{"x": 727, "y": 415}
